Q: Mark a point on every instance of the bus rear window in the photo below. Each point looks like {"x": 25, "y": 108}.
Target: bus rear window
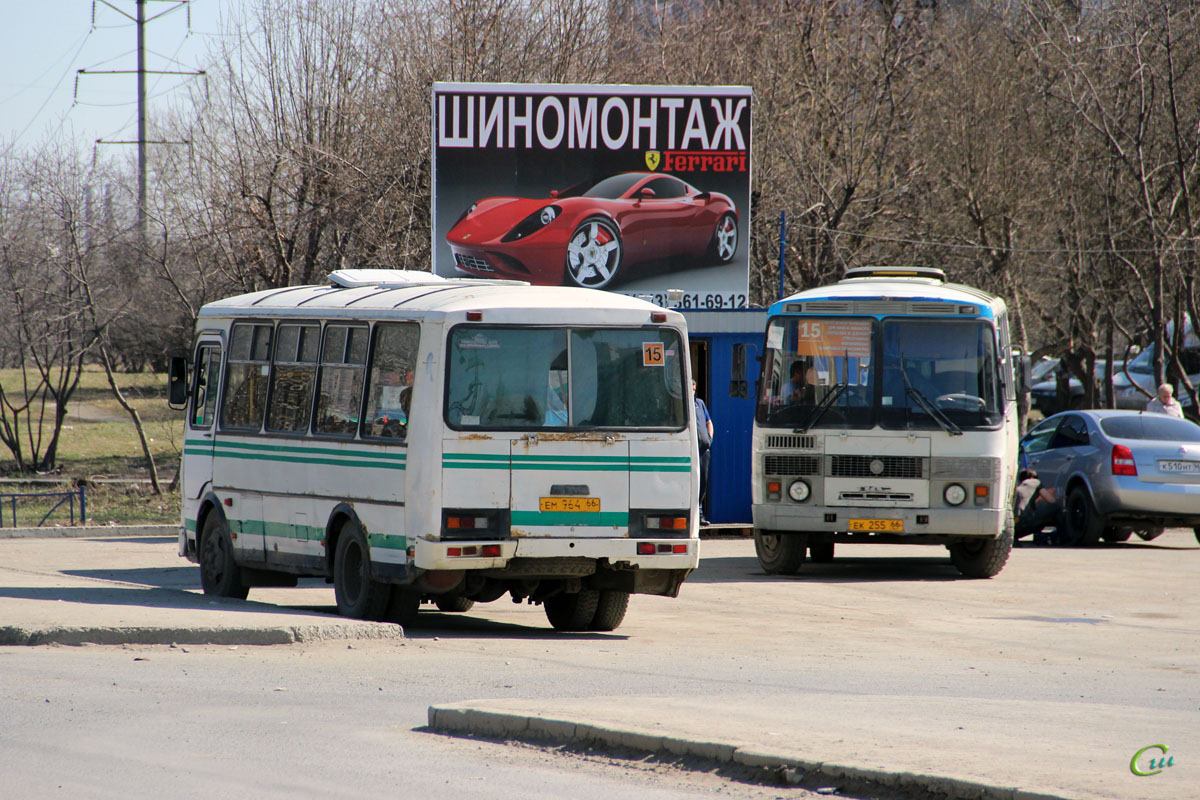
{"x": 538, "y": 378}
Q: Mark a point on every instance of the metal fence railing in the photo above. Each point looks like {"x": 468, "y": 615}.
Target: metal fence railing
{"x": 8, "y": 502}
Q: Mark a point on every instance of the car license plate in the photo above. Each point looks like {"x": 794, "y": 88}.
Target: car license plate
{"x": 878, "y": 525}
{"x": 589, "y": 504}
{"x": 1185, "y": 467}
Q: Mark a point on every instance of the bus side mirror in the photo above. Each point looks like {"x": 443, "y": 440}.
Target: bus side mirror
{"x": 739, "y": 386}
{"x": 1023, "y": 368}
{"x": 177, "y": 387}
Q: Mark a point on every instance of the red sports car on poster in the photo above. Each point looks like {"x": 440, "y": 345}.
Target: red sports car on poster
{"x": 589, "y": 234}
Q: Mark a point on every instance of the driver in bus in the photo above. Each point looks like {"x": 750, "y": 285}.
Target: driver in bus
{"x": 802, "y": 386}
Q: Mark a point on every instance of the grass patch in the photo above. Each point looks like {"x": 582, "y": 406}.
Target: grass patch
{"x": 98, "y": 440}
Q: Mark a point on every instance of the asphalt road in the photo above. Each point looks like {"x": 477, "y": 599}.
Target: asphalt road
{"x": 1047, "y": 678}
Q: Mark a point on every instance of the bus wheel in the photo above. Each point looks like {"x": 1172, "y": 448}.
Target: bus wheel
{"x": 610, "y": 611}
{"x": 453, "y": 603}
{"x": 779, "y": 553}
{"x": 982, "y": 558}
{"x": 219, "y": 573}
{"x": 821, "y": 552}
{"x": 357, "y": 595}
{"x": 403, "y": 604}
{"x": 572, "y": 612}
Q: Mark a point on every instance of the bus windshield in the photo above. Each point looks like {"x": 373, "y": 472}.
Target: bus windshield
{"x": 898, "y": 373}
{"x": 581, "y": 378}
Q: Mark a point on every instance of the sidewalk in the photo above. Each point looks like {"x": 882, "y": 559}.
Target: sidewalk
{"x": 119, "y": 586}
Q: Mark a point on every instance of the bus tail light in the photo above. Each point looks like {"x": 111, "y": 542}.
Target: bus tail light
{"x": 1122, "y": 461}
{"x": 475, "y": 523}
{"x": 667, "y": 523}
{"x": 466, "y": 523}
{"x": 660, "y": 548}
{"x": 474, "y": 551}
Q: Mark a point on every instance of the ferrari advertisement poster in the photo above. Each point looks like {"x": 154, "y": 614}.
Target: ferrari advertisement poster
{"x": 642, "y": 190}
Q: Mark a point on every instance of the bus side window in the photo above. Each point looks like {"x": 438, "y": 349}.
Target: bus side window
{"x": 204, "y": 390}
{"x": 293, "y": 377}
{"x": 343, "y": 362}
{"x": 246, "y": 379}
{"x": 390, "y": 382}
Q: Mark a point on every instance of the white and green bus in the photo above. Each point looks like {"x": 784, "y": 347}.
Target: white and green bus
{"x": 411, "y": 438}
{"x": 886, "y": 413}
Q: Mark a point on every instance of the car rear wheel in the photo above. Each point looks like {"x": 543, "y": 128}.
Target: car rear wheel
{"x": 594, "y": 253}
{"x": 1084, "y": 524}
{"x": 1115, "y": 535}
{"x": 779, "y": 553}
{"x": 725, "y": 239}
{"x": 454, "y": 603}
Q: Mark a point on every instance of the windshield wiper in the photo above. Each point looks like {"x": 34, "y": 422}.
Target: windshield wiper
{"x": 929, "y": 408}
{"x": 819, "y": 410}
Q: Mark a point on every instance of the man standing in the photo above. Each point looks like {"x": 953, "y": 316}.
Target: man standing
{"x": 704, "y": 435}
{"x": 1165, "y": 403}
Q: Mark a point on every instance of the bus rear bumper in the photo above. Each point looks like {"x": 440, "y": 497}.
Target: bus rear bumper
{"x": 568, "y": 554}
{"x": 954, "y": 522}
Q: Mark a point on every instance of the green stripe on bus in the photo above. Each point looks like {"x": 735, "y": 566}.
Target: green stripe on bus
{"x": 607, "y": 519}
{"x": 190, "y": 524}
{"x": 305, "y": 460}
{"x": 388, "y": 541}
{"x": 308, "y": 449}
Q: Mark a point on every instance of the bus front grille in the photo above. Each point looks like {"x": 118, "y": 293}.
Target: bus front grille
{"x": 876, "y": 467}
{"x": 791, "y": 465}
{"x": 793, "y": 442}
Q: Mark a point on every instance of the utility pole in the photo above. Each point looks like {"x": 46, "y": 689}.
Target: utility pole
{"x": 140, "y": 21}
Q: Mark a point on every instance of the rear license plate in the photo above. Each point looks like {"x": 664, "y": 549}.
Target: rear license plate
{"x": 591, "y": 504}
{"x": 878, "y": 525}
{"x": 1186, "y": 467}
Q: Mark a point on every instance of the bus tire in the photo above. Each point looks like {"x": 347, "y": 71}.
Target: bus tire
{"x": 779, "y": 553}
{"x": 821, "y": 552}
{"x": 983, "y": 558}
{"x": 403, "y": 604}
{"x": 357, "y": 594}
{"x": 572, "y": 612}
{"x": 219, "y": 573}
{"x": 453, "y": 603}
{"x": 1084, "y": 524}
{"x": 610, "y": 610}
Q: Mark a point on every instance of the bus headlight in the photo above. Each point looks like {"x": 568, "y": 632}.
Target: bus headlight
{"x": 954, "y": 495}
{"x": 799, "y": 491}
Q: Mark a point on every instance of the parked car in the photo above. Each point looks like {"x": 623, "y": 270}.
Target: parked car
{"x": 1118, "y": 472}
{"x": 1140, "y": 375}
{"x": 1044, "y": 393}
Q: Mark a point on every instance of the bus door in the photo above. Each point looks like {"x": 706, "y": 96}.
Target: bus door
{"x": 202, "y": 411}
{"x": 570, "y": 485}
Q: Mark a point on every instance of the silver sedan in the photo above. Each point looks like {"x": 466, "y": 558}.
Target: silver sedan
{"x": 1118, "y": 472}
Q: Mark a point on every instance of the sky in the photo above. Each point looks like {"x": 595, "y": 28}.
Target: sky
{"x": 43, "y": 45}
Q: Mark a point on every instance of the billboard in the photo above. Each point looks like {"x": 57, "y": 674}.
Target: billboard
{"x": 631, "y": 189}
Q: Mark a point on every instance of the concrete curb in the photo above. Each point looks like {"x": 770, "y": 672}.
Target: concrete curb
{"x": 283, "y": 634}
{"x": 461, "y": 720}
{"x": 89, "y": 531}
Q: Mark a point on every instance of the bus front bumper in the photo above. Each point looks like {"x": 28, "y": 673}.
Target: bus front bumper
{"x": 956, "y": 522}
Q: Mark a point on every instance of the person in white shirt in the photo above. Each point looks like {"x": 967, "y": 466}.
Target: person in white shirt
{"x": 1165, "y": 403}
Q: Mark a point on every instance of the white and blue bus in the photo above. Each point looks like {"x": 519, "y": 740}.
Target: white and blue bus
{"x": 412, "y": 438}
{"x": 886, "y": 412}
